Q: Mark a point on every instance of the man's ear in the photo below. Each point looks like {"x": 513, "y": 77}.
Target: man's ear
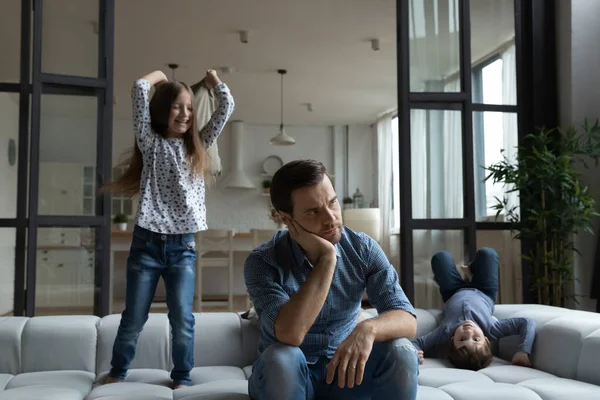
{"x": 284, "y": 216}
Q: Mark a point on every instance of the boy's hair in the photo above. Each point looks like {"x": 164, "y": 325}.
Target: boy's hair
{"x": 469, "y": 358}
{"x": 160, "y": 106}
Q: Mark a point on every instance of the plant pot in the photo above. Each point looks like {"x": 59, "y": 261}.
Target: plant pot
{"x": 267, "y": 190}
{"x": 122, "y": 226}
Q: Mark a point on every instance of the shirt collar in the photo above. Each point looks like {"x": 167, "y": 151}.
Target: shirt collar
{"x": 299, "y": 256}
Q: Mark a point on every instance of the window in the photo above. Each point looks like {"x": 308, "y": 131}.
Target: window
{"x": 495, "y": 133}
{"x": 395, "y": 221}
{"x": 121, "y": 205}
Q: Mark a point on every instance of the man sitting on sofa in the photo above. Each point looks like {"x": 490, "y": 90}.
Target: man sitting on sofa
{"x": 307, "y": 285}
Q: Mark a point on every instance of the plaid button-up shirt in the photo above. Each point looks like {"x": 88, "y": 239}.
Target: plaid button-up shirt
{"x": 276, "y": 270}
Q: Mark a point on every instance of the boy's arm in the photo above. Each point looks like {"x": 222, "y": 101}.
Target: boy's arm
{"x": 431, "y": 339}
{"x": 524, "y": 327}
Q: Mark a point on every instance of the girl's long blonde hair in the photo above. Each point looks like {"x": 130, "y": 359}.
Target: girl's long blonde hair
{"x": 128, "y": 184}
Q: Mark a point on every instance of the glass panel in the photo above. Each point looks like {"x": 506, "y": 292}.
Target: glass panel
{"x": 65, "y": 271}
{"x": 67, "y": 147}
{"x": 495, "y": 138}
{"x": 434, "y": 46}
{"x": 426, "y": 243}
{"x": 436, "y": 161}
{"x": 128, "y": 207}
{"x": 7, "y": 270}
{"x": 70, "y": 38}
{"x": 493, "y": 52}
{"x": 9, "y": 136}
{"x": 116, "y": 206}
{"x": 510, "y": 282}
{"x": 10, "y": 45}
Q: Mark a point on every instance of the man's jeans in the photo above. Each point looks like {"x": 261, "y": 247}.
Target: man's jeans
{"x": 154, "y": 255}
{"x": 484, "y": 269}
{"x": 281, "y": 372}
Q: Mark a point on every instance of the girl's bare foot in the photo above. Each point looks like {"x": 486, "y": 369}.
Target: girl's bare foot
{"x": 110, "y": 379}
{"x": 179, "y": 387}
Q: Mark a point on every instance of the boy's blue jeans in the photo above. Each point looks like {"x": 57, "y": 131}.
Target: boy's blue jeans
{"x": 281, "y": 372}
{"x": 154, "y": 255}
{"x": 484, "y": 269}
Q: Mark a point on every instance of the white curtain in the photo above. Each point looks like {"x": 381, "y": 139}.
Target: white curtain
{"x": 509, "y": 121}
{"x": 384, "y": 180}
{"x": 510, "y": 286}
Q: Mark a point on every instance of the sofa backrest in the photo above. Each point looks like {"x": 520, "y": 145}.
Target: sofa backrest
{"x": 567, "y": 342}
{"x": 47, "y": 344}
{"x": 85, "y": 342}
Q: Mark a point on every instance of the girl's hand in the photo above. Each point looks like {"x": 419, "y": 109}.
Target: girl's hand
{"x": 421, "y": 356}
{"x": 212, "y": 79}
{"x": 155, "y": 78}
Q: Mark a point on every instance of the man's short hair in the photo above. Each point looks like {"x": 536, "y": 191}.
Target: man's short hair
{"x": 294, "y": 175}
{"x": 470, "y": 358}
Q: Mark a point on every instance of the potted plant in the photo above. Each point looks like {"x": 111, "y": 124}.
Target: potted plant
{"x": 266, "y": 186}
{"x": 347, "y": 201}
{"x": 555, "y": 204}
{"x": 120, "y": 220}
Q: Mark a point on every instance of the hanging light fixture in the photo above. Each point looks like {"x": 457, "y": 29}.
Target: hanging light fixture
{"x": 282, "y": 138}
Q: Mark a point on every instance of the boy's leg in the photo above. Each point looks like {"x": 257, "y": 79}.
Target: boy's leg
{"x": 446, "y": 275}
{"x": 143, "y": 272}
{"x": 179, "y": 283}
{"x": 485, "y": 271}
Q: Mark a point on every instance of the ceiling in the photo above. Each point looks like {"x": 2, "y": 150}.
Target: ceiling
{"x": 324, "y": 45}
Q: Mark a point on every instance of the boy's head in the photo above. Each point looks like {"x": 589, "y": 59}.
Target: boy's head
{"x": 469, "y": 348}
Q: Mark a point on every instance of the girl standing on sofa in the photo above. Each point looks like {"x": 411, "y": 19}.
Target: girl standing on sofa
{"x": 167, "y": 169}
{"x": 467, "y": 318}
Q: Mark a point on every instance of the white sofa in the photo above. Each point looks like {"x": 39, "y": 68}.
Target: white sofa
{"x": 61, "y": 357}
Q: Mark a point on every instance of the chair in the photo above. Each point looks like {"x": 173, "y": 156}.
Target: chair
{"x": 259, "y": 236}
{"x": 214, "y": 250}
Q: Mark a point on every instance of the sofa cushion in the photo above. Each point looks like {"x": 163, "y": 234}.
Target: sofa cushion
{"x": 59, "y": 343}
{"x": 589, "y": 357}
{"x": 158, "y": 377}
{"x": 247, "y": 371}
{"x": 431, "y": 393}
{"x": 153, "y": 347}
{"x": 488, "y": 391}
{"x": 561, "y": 389}
{"x": 4, "y": 379}
{"x": 77, "y": 380}
{"x": 218, "y": 340}
{"x": 513, "y": 374}
{"x": 436, "y": 377}
{"x": 217, "y": 390}
{"x": 38, "y": 392}
{"x": 11, "y": 332}
{"x": 130, "y": 390}
{"x": 201, "y": 375}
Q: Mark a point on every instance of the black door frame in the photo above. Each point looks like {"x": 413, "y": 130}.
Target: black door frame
{"x": 536, "y": 106}
{"x": 27, "y": 220}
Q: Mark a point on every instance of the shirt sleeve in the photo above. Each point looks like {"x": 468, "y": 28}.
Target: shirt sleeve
{"x": 524, "y": 327}
{"x": 431, "y": 339}
{"x": 219, "y": 118}
{"x": 383, "y": 286}
{"x": 140, "y": 100}
{"x": 266, "y": 293}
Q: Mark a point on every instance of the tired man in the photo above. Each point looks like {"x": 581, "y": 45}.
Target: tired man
{"x": 307, "y": 285}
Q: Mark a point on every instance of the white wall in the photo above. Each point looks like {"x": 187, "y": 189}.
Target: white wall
{"x": 243, "y": 209}
{"x": 9, "y": 129}
{"x": 579, "y": 98}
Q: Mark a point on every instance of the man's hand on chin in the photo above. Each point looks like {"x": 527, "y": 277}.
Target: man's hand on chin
{"x": 351, "y": 356}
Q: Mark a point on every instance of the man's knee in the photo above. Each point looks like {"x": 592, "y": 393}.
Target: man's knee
{"x": 282, "y": 355}
{"x": 404, "y": 354}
